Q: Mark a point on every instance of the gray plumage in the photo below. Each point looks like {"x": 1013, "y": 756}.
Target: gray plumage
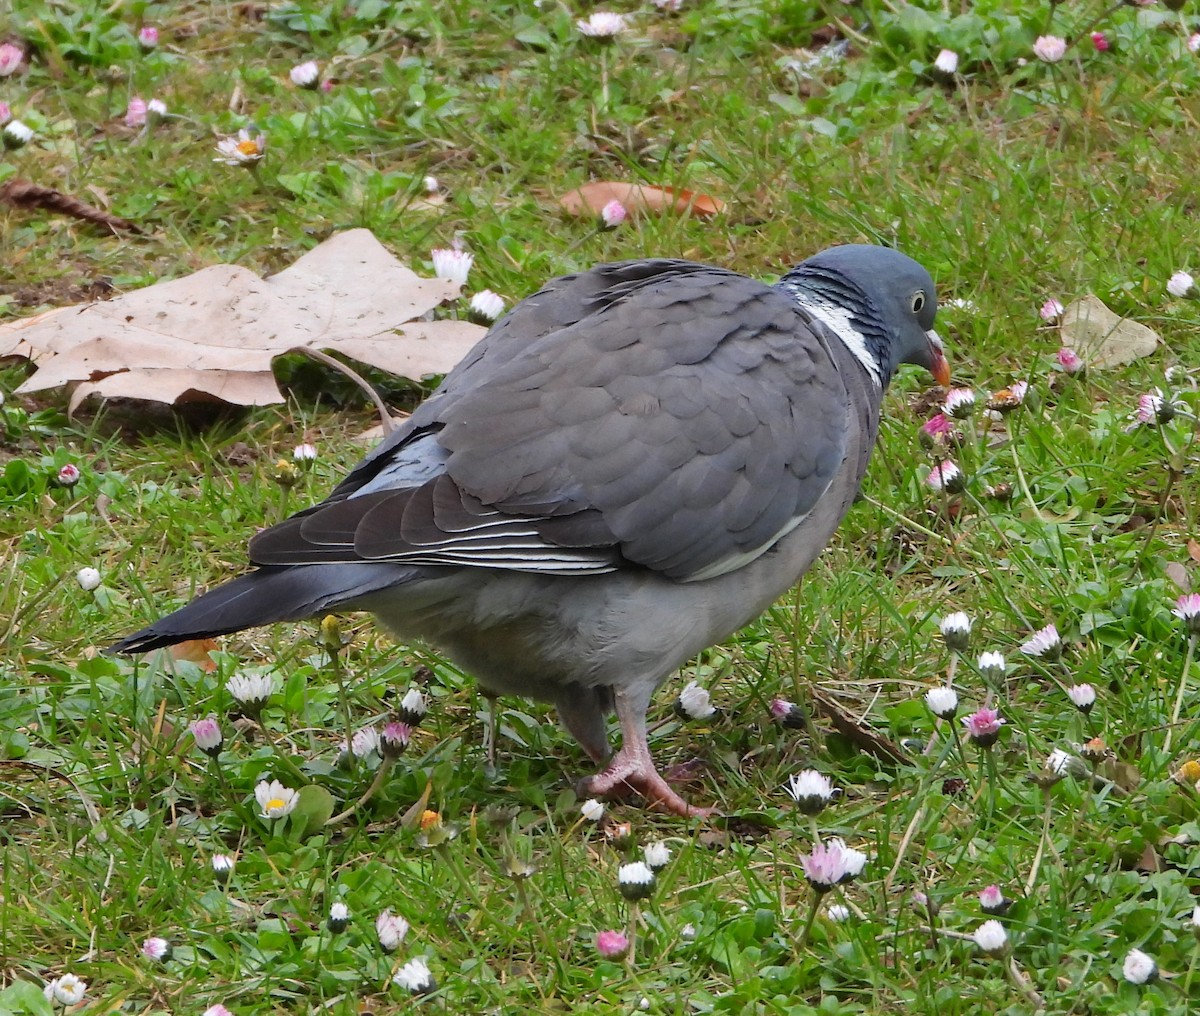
{"x": 630, "y": 466}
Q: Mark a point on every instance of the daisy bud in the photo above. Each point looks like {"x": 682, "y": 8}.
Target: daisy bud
{"x": 1139, "y": 968}
{"x": 69, "y": 475}
{"x": 837, "y": 913}
{"x": 157, "y": 949}
{"x": 1051, "y": 311}
{"x": 208, "y": 737}
{"x": 991, "y": 938}
{"x": 946, "y": 63}
{"x": 1050, "y": 48}
{"x": 592, "y": 810}
{"x": 1070, "y": 361}
{"x": 1154, "y": 407}
{"x": 694, "y": 703}
{"x": 487, "y": 306}
{"x": 415, "y": 977}
{"x": 1196, "y": 922}
{"x": 306, "y": 75}
{"x": 304, "y": 454}
{"x": 787, "y": 714}
{"x": 1187, "y": 609}
{"x": 811, "y": 791}
{"x": 983, "y": 727}
{"x": 657, "y": 855}
{"x": 613, "y": 214}
{"x": 956, "y": 630}
{"x": 135, "y": 114}
{"x": 452, "y": 265}
{"x": 156, "y": 112}
{"x": 431, "y": 184}
{"x": 992, "y": 901}
{"x": 11, "y": 57}
{"x": 413, "y": 707}
{"x": 390, "y": 929}
{"x": 250, "y": 691}
{"x": 1044, "y": 644}
{"x": 1182, "y": 285}
{"x": 216, "y": 1010}
{"x": 948, "y": 477}
{"x": 612, "y": 945}
{"x": 394, "y": 738}
{"x": 635, "y": 880}
{"x": 15, "y": 135}
{"x": 339, "y": 918}
{"x": 222, "y": 867}
{"x": 88, "y": 579}
{"x": 1100, "y": 42}
{"x": 601, "y": 25}
{"x": 1082, "y": 696}
{"x": 960, "y": 403}
{"x": 936, "y": 431}
{"x": 942, "y": 702}
{"x": 148, "y": 38}
{"x": 991, "y": 666}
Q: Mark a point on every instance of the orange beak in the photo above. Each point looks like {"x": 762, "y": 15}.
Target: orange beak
{"x": 940, "y": 369}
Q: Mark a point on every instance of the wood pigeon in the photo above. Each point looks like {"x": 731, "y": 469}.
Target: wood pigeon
{"x": 629, "y": 467}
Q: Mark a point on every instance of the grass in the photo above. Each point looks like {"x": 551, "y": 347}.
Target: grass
{"x": 1018, "y": 182}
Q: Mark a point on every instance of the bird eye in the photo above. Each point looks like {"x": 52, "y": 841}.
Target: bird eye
{"x": 918, "y": 301}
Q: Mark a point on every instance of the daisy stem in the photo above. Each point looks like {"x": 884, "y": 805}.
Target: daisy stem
{"x": 339, "y": 674}
{"x": 548, "y": 943}
{"x": 1187, "y": 666}
{"x": 1021, "y": 482}
{"x": 923, "y": 797}
{"x": 1191, "y": 970}
{"x": 1047, "y": 801}
{"x": 1020, "y": 981}
{"x": 235, "y": 802}
{"x": 635, "y": 912}
{"x": 285, "y": 760}
{"x": 814, "y": 904}
{"x": 380, "y": 775}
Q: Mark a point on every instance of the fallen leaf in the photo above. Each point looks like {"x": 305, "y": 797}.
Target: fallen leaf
{"x": 1178, "y": 574}
{"x": 196, "y": 651}
{"x": 639, "y": 199}
{"x": 212, "y": 335}
{"x": 1194, "y": 551}
{"x": 1102, "y": 338}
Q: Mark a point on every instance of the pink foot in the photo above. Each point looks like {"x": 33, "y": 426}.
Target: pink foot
{"x": 626, "y": 776}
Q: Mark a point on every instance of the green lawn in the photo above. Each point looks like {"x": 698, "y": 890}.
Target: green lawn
{"x": 1014, "y": 181}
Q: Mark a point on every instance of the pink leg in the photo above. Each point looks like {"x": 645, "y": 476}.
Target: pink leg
{"x": 632, "y": 768}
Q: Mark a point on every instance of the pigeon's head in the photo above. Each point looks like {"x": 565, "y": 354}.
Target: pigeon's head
{"x": 880, "y": 303}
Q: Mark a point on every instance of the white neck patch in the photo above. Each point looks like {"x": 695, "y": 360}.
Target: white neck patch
{"x": 837, "y": 319}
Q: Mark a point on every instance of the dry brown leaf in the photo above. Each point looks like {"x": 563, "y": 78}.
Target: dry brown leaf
{"x": 1103, "y": 338}
{"x": 639, "y": 199}
{"x": 196, "y": 651}
{"x": 212, "y": 335}
{"x": 1194, "y": 550}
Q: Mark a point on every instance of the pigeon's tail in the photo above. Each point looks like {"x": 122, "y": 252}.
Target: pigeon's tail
{"x": 286, "y": 593}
